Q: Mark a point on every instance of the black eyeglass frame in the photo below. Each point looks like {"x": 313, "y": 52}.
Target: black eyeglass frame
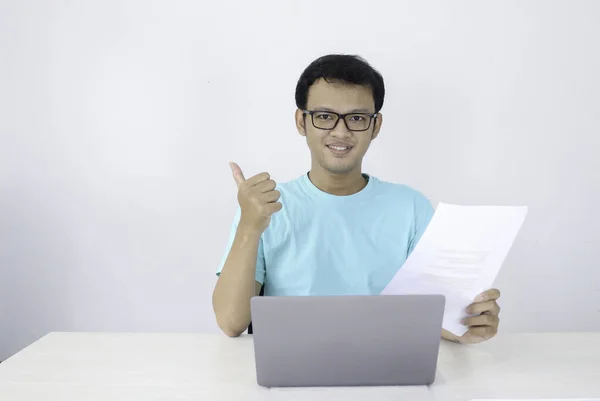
{"x": 372, "y": 117}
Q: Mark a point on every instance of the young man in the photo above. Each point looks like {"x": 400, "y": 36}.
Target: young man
{"x": 334, "y": 230}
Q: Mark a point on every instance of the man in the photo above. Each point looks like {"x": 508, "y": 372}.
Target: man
{"x": 334, "y": 230}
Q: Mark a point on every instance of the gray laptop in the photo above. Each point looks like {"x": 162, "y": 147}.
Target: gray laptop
{"x": 346, "y": 340}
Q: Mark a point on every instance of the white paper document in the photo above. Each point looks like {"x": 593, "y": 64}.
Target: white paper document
{"x": 459, "y": 256}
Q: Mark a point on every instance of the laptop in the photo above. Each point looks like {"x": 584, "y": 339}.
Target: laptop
{"x": 311, "y": 341}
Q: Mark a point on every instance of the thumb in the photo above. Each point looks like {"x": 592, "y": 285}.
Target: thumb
{"x": 238, "y": 176}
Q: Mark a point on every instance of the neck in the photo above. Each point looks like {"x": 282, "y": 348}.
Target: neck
{"x": 337, "y": 184}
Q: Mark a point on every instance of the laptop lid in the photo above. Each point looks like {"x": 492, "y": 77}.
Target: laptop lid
{"x": 346, "y": 340}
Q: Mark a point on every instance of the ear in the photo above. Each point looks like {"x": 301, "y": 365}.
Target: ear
{"x": 300, "y": 122}
{"x": 377, "y": 127}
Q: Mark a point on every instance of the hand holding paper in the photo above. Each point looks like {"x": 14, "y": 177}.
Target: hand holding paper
{"x": 483, "y": 321}
{"x": 459, "y": 256}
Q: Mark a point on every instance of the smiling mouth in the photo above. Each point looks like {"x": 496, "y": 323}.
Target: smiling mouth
{"x": 335, "y": 147}
{"x": 339, "y": 149}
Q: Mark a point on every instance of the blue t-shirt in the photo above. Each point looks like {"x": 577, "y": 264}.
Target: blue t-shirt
{"x": 323, "y": 244}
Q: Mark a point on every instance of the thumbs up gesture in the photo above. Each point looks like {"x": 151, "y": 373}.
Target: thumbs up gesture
{"x": 257, "y": 197}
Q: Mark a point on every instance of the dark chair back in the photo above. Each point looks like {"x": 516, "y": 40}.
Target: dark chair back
{"x": 260, "y": 294}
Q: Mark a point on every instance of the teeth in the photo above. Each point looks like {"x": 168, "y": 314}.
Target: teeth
{"x": 340, "y": 147}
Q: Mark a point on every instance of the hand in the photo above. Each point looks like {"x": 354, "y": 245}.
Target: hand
{"x": 257, "y": 197}
{"x": 484, "y": 325}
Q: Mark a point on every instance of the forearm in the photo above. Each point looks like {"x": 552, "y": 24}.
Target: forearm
{"x": 237, "y": 284}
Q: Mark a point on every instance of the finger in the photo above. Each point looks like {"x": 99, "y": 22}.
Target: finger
{"x": 489, "y": 295}
{"x": 238, "y": 175}
{"x": 483, "y": 307}
{"x": 257, "y": 179}
{"x": 265, "y": 186}
{"x": 485, "y": 332}
{"x": 478, "y": 334}
{"x": 481, "y": 320}
{"x": 271, "y": 196}
{"x": 272, "y": 208}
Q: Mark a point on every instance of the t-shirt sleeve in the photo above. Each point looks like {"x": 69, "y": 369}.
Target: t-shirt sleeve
{"x": 260, "y": 259}
{"x": 423, "y": 213}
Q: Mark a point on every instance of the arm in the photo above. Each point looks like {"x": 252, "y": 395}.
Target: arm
{"x": 242, "y": 272}
{"x": 237, "y": 284}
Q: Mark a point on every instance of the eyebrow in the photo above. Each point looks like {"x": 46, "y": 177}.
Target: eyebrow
{"x": 367, "y": 111}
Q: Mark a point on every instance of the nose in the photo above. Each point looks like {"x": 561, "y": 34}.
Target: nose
{"x": 340, "y": 130}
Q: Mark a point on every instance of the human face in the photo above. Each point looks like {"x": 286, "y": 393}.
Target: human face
{"x": 339, "y": 150}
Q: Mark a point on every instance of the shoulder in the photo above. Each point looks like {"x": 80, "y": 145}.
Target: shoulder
{"x": 408, "y": 201}
{"x": 400, "y": 193}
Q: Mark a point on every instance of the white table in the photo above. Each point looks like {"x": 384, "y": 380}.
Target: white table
{"x": 125, "y": 367}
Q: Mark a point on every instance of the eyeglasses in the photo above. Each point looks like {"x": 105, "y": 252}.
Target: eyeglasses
{"x": 328, "y": 120}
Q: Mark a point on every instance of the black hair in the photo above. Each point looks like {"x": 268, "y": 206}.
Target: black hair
{"x": 348, "y": 69}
